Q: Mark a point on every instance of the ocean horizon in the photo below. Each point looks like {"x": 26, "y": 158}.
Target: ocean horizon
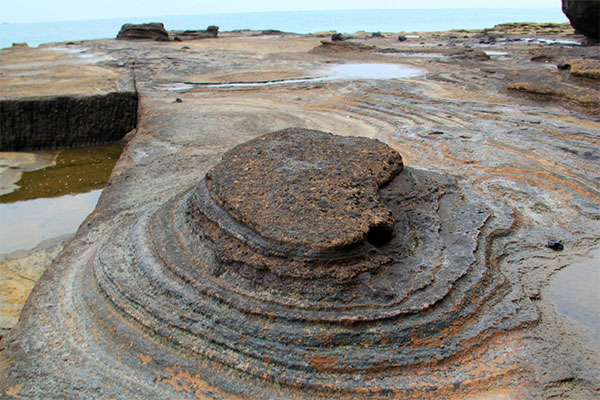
{"x": 347, "y": 21}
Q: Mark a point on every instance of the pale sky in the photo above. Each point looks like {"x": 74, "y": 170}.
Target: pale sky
{"x": 64, "y": 10}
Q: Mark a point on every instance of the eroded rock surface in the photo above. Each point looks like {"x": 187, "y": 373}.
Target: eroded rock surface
{"x": 326, "y": 308}
{"x": 150, "y": 31}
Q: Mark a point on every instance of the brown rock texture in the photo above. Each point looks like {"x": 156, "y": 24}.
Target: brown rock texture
{"x": 584, "y": 67}
{"x": 316, "y": 191}
{"x": 210, "y": 32}
{"x": 150, "y": 31}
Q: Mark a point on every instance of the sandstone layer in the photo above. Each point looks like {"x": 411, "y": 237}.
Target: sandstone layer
{"x": 153, "y": 297}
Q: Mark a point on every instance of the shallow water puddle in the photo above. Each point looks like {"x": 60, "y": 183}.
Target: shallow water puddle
{"x": 69, "y": 171}
{"x": 24, "y": 224}
{"x": 53, "y": 200}
{"x": 372, "y": 71}
{"x": 575, "y": 292}
{"x": 330, "y": 73}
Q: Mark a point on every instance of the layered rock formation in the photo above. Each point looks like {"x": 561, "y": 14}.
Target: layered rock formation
{"x": 304, "y": 263}
{"x": 150, "y": 31}
{"x": 41, "y": 123}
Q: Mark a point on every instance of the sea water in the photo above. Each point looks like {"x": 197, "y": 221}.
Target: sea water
{"x": 347, "y": 21}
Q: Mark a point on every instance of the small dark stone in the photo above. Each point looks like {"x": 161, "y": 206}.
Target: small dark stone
{"x": 556, "y": 245}
{"x": 488, "y": 40}
{"x": 377, "y": 34}
{"x": 337, "y": 37}
{"x": 401, "y": 38}
{"x": 178, "y": 100}
{"x": 212, "y": 28}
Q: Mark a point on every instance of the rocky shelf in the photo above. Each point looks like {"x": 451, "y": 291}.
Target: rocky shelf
{"x": 69, "y": 101}
{"x": 239, "y": 251}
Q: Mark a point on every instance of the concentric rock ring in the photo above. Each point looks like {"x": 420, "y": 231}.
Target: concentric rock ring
{"x": 314, "y": 302}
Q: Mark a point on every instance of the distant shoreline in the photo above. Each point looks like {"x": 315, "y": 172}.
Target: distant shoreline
{"x": 398, "y": 20}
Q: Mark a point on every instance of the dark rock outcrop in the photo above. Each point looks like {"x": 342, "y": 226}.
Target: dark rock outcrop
{"x": 150, "y": 31}
{"x": 584, "y": 16}
{"x": 211, "y": 32}
{"x": 39, "y": 123}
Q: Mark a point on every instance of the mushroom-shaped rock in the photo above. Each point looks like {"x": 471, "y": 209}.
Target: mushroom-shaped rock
{"x": 306, "y": 188}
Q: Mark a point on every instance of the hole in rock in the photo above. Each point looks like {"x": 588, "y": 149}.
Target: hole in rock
{"x": 379, "y": 235}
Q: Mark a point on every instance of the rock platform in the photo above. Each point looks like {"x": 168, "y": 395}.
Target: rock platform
{"x": 429, "y": 277}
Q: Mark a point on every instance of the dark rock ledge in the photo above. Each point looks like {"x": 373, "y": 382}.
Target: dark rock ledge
{"x": 66, "y": 121}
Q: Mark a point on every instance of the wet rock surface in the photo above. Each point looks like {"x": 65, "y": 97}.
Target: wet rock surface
{"x": 167, "y": 292}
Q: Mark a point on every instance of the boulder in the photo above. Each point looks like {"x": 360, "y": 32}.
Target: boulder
{"x": 584, "y": 16}
{"x": 150, "y": 31}
{"x": 337, "y": 37}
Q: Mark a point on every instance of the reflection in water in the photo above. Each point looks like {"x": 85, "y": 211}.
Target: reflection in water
{"x": 576, "y": 294}
{"x": 372, "y": 71}
{"x": 337, "y": 71}
{"x": 77, "y": 170}
{"x": 24, "y": 224}
{"x": 56, "y": 190}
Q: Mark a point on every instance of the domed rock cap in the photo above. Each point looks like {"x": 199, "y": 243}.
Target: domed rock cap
{"x": 306, "y": 188}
